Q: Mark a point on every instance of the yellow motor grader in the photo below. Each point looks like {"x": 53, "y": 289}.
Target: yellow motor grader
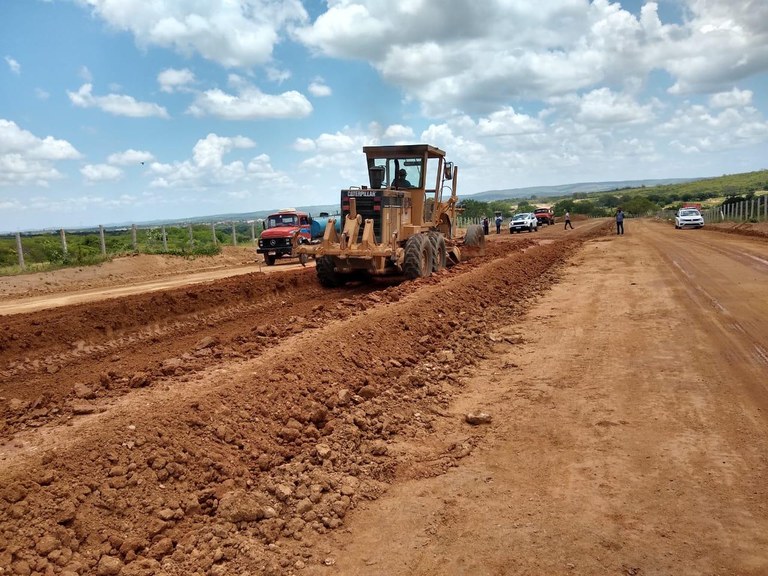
{"x": 402, "y": 223}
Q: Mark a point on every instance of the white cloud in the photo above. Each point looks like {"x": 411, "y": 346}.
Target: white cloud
{"x": 602, "y": 106}
{"x": 130, "y": 157}
{"x": 724, "y": 41}
{"x": 319, "y": 88}
{"x": 16, "y": 140}
{"x": 117, "y": 104}
{"x": 13, "y": 65}
{"x": 41, "y": 94}
{"x": 28, "y": 159}
{"x": 100, "y": 173}
{"x": 277, "y": 75}
{"x": 506, "y": 121}
{"x": 250, "y": 103}
{"x": 479, "y": 56}
{"x": 209, "y": 153}
{"x": 736, "y": 97}
{"x": 304, "y": 145}
{"x": 85, "y": 74}
{"x": 397, "y": 133}
{"x": 696, "y": 128}
{"x": 339, "y": 152}
{"x": 171, "y": 80}
{"x": 234, "y": 34}
{"x": 208, "y": 170}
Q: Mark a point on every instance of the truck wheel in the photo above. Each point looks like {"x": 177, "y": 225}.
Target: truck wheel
{"x": 474, "y": 236}
{"x": 439, "y": 251}
{"x": 270, "y": 260}
{"x": 326, "y": 273}
{"x": 417, "y": 261}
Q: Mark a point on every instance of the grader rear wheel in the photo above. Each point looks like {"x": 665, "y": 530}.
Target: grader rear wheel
{"x": 439, "y": 250}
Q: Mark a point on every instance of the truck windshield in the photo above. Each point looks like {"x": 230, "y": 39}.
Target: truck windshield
{"x": 281, "y": 220}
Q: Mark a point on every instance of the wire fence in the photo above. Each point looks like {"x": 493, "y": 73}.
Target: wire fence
{"x": 58, "y": 248}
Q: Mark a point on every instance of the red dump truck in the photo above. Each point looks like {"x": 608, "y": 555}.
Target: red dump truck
{"x": 285, "y": 230}
{"x": 544, "y": 216}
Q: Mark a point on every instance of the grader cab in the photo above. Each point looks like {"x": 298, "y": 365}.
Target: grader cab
{"x": 402, "y": 223}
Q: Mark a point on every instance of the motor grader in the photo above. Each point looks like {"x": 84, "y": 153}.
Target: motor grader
{"x": 402, "y": 223}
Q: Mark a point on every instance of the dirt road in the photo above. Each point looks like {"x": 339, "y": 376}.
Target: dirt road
{"x": 259, "y": 424}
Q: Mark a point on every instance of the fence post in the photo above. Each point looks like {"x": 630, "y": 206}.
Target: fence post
{"x": 101, "y": 241}
{"x": 63, "y": 242}
{"x": 765, "y": 206}
{"x": 20, "y": 251}
{"x": 253, "y": 232}
{"x": 133, "y": 238}
{"x": 213, "y": 233}
{"x": 165, "y": 239}
{"x": 191, "y": 236}
{"x": 234, "y": 234}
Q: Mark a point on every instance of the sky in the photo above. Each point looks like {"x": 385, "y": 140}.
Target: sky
{"x": 137, "y": 110}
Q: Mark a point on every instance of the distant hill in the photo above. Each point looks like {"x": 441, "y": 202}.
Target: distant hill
{"x": 232, "y": 217}
{"x": 568, "y": 189}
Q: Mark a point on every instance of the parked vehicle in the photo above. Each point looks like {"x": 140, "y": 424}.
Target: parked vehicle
{"x": 688, "y": 218}
{"x": 544, "y": 216}
{"x": 402, "y": 223}
{"x": 523, "y": 221}
{"x": 286, "y": 229}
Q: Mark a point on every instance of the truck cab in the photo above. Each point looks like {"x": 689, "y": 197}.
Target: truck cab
{"x": 544, "y": 216}
{"x": 280, "y": 231}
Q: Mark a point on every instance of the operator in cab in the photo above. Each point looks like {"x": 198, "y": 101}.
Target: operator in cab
{"x": 401, "y": 181}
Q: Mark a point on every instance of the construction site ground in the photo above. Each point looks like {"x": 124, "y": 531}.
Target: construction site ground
{"x": 571, "y": 402}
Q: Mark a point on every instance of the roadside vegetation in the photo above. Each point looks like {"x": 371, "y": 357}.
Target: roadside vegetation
{"x": 46, "y": 251}
{"x": 710, "y": 193}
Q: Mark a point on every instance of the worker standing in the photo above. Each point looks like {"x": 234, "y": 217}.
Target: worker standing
{"x": 568, "y": 221}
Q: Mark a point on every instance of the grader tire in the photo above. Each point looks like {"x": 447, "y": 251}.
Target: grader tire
{"x": 326, "y": 273}
{"x": 417, "y": 260}
{"x": 475, "y": 237}
{"x": 439, "y": 251}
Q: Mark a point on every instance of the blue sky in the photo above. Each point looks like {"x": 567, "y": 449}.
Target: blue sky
{"x": 130, "y": 110}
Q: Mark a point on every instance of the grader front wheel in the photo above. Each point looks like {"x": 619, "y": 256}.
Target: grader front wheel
{"x": 326, "y": 273}
{"x": 417, "y": 260}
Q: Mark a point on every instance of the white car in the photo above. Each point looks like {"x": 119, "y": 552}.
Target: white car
{"x": 688, "y": 218}
{"x": 523, "y": 221}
